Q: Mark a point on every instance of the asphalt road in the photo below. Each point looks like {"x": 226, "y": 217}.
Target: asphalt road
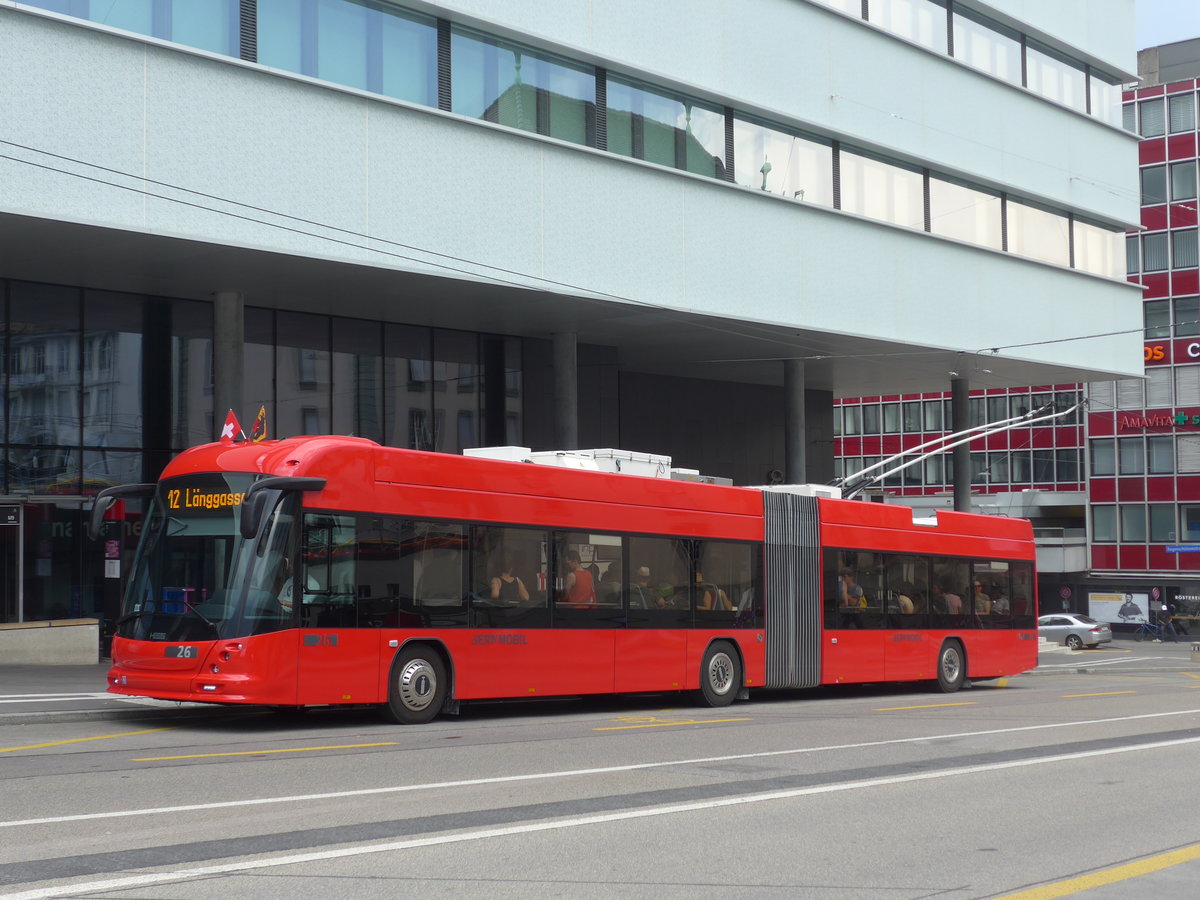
{"x": 1077, "y": 775}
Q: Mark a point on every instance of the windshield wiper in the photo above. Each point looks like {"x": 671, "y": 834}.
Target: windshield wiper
{"x": 203, "y": 618}
{"x": 129, "y": 617}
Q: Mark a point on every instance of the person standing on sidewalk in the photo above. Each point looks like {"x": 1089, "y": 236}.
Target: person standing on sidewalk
{"x": 1164, "y": 619}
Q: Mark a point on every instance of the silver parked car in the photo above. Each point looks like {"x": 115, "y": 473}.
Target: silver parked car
{"x": 1074, "y": 630}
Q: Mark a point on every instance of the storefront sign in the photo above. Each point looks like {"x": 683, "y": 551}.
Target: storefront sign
{"x": 10, "y": 515}
{"x": 1174, "y": 420}
{"x": 1183, "y": 548}
{"x": 1168, "y": 352}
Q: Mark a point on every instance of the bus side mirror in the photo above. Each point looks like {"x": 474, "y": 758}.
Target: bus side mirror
{"x": 252, "y": 510}
{"x": 104, "y": 500}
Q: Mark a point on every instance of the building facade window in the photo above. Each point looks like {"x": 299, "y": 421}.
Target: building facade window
{"x": 987, "y": 45}
{"x": 1183, "y": 248}
{"x": 1162, "y": 522}
{"x": 373, "y": 47}
{"x": 882, "y": 190}
{"x": 967, "y": 214}
{"x": 1182, "y": 112}
{"x": 1104, "y": 524}
{"x": 780, "y": 162}
{"x": 671, "y": 130}
{"x": 1039, "y": 233}
{"x": 1154, "y": 252}
{"x": 1154, "y": 185}
{"x": 920, "y": 21}
{"x": 1157, "y": 317}
{"x": 1183, "y": 180}
{"x": 1150, "y": 114}
{"x": 1055, "y": 77}
{"x": 211, "y": 25}
{"x": 511, "y": 85}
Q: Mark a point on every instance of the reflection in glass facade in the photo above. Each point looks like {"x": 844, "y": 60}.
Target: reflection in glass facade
{"x": 965, "y": 213}
{"x": 209, "y": 25}
{"x": 1097, "y": 249}
{"x": 987, "y": 45}
{"x": 1055, "y": 77}
{"x": 649, "y": 124}
{"x": 780, "y": 162}
{"x": 881, "y": 190}
{"x": 920, "y": 21}
{"x": 514, "y": 86}
{"x": 371, "y": 46}
{"x": 1039, "y": 234}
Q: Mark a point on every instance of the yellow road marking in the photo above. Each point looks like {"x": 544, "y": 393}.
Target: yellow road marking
{"x": 1101, "y": 694}
{"x": 1002, "y": 683}
{"x": 1190, "y": 674}
{"x": 927, "y": 706}
{"x": 261, "y": 752}
{"x": 669, "y": 724}
{"x": 1107, "y": 876}
{"x": 99, "y": 737}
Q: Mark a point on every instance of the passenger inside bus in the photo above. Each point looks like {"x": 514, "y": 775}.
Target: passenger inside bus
{"x": 507, "y": 587}
{"x": 641, "y": 594}
{"x": 711, "y": 595}
{"x": 904, "y": 601}
{"x": 609, "y": 592}
{"x": 578, "y": 588}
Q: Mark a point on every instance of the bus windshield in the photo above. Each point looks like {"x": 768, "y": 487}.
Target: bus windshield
{"x": 195, "y": 578}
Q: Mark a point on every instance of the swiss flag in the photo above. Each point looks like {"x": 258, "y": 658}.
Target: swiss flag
{"x": 232, "y": 429}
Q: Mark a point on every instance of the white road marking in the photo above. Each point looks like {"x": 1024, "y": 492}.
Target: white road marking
{"x": 483, "y": 834}
{"x": 569, "y": 773}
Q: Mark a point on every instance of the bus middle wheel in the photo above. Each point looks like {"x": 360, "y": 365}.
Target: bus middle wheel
{"x": 416, "y": 685}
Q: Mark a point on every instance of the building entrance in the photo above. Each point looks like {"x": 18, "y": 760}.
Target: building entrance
{"x": 10, "y": 563}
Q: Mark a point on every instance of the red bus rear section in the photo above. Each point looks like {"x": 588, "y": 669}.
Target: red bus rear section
{"x": 413, "y": 580}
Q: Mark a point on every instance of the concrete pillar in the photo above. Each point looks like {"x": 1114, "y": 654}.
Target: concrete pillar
{"x": 794, "y": 438}
{"x": 960, "y": 414}
{"x": 566, "y": 392}
{"x": 229, "y": 338}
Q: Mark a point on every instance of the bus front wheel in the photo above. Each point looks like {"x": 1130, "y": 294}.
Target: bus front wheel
{"x": 720, "y": 675}
{"x": 417, "y": 685}
{"x": 951, "y": 667}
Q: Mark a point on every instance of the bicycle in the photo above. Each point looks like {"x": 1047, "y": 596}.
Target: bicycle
{"x": 1149, "y": 629}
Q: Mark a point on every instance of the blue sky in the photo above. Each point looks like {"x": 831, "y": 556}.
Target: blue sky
{"x": 1166, "y": 21}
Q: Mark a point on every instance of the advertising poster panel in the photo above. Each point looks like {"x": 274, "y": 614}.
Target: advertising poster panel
{"x": 1119, "y": 609}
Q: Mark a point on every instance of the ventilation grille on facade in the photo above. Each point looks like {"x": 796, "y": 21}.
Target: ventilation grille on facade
{"x": 248, "y": 30}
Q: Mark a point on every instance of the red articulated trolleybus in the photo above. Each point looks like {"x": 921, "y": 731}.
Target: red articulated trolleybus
{"x": 332, "y": 570}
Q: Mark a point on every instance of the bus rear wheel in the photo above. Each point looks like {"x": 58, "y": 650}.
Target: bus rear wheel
{"x": 416, "y": 686}
{"x": 720, "y": 675}
{"x": 951, "y": 667}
